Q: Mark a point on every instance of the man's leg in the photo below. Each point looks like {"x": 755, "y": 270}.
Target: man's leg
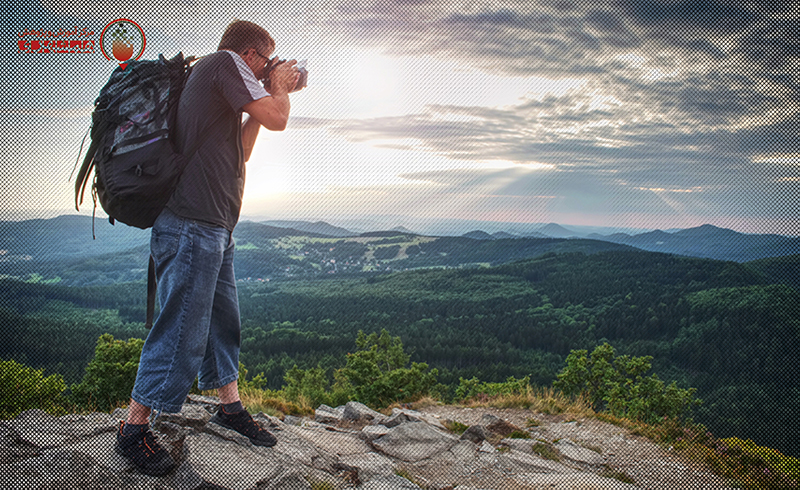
{"x": 220, "y": 368}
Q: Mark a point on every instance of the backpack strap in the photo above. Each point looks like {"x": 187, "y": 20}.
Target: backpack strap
{"x": 152, "y": 287}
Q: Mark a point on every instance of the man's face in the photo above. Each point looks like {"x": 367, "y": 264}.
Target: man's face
{"x": 257, "y": 61}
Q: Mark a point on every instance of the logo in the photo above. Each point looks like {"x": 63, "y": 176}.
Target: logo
{"x": 122, "y": 40}
{"x": 61, "y": 41}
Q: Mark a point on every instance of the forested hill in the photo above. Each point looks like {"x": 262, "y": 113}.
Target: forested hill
{"x": 727, "y": 329}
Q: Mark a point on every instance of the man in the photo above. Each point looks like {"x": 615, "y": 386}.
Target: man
{"x": 197, "y": 332}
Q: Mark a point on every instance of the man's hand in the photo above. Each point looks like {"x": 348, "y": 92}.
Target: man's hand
{"x": 283, "y": 76}
{"x": 273, "y": 112}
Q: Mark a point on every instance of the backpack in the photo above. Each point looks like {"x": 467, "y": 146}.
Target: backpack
{"x": 136, "y": 167}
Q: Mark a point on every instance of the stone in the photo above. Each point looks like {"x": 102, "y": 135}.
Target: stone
{"x": 191, "y": 415}
{"x": 358, "y": 412}
{"x": 487, "y": 448}
{"x": 231, "y": 465}
{"x": 372, "y": 432}
{"x": 369, "y": 465}
{"x": 292, "y": 420}
{"x": 572, "y": 451}
{"x": 209, "y": 401}
{"x": 40, "y": 429}
{"x": 392, "y": 482}
{"x": 402, "y": 416}
{"x": 328, "y": 415}
{"x": 414, "y": 441}
{"x": 475, "y": 433}
{"x": 497, "y": 425}
{"x": 60, "y": 469}
{"x": 12, "y": 447}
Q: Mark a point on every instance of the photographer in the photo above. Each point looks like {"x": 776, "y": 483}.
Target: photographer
{"x": 197, "y": 332}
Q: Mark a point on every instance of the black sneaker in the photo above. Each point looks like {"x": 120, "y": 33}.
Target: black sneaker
{"x": 244, "y": 424}
{"x": 144, "y": 452}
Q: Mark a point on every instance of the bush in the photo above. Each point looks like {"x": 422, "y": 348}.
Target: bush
{"x": 23, "y": 388}
{"x": 110, "y": 375}
{"x": 618, "y": 385}
{"x": 378, "y": 374}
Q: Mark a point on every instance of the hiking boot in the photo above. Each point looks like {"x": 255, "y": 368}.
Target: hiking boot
{"x": 144, "y": 452}
{"x": 244, "y": 424}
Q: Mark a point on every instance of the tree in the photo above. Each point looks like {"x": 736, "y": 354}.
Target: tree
{"x": 378, "y": 373}
{"x": 110, "y": 375}
{"x": 618, "y": 385}
{"x": 23, "y": 388}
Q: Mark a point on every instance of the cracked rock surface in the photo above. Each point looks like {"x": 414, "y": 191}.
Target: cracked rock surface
{"x": 344, "y": 447}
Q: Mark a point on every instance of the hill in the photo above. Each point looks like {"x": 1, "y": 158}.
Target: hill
{"x": 708, "y": 241}
{"x": 722, "y": 327}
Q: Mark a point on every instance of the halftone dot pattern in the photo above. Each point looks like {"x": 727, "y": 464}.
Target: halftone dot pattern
{"x": 645, "y": 114}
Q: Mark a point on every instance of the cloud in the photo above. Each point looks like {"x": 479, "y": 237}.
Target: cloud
{"x": 711, "y": 62}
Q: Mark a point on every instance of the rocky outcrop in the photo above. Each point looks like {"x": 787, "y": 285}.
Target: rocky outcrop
{"x": 343, "y": 447}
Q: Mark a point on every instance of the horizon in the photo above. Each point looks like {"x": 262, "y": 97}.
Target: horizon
{"x": 423, "y": 228}
{"x": 500, "y": 112}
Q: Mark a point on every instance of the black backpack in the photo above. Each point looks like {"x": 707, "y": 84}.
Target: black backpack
{"x": 136, "y": 167}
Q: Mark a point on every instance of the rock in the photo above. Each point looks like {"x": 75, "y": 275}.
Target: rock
{"x": 211, "y": 402}
{"x": 372, "y": 432}
{"x": 358, "y": 412}
{"x": 401, "y": 416}
{"x": 233, "y": 465}
{"x": 40, "y": 429}
{"x": 292, "y": 420}
{"x": 61, "y": 469}
{"x": 571, "y": 481}
{"x": 392, "y": 482}
{"x": 413, "y": 442}
{"x": 570, "y": 450}
{"x": 194, "y": 416}
{"x": 487, "y": 448}
{"x": 328, "y": 415}
{"x": 12, "y": 447}
{"x": 498, "y": 426}
{"x": 369, "y": 465}
{"x": 475, "y": 433}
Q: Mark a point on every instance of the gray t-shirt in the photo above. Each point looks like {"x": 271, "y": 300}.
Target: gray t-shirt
{"x": 209, "y": 119}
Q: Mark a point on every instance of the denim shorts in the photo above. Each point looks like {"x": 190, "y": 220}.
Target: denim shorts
{"x": 198, "y": 330}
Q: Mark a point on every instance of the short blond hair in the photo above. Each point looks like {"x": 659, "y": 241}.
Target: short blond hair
{"x": 241, "y": 35}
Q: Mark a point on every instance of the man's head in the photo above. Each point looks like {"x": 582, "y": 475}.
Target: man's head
{"x": 250, "y": 41}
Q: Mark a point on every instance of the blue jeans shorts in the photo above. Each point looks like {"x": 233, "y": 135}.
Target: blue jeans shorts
{"x": 198, "y": 330}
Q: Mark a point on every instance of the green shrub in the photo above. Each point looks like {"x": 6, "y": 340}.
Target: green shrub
{"x": 110, "y": 375}
{"x": 472, "y": 388}
{"x": 378, "y": 374}
{"x": 618, "y": 385}
{"x": 23, "y": 388}
{"x": 455, "y": 426}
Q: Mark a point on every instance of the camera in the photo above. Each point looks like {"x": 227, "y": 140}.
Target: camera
{"x": 302, "y": 82}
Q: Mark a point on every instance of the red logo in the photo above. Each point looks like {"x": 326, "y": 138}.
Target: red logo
{"x": 124, "y": 40}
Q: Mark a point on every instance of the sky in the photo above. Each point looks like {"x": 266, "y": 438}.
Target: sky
{"x": 620, "y": 114}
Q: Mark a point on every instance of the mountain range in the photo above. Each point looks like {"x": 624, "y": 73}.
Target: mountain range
{"x": 63, "y": 247}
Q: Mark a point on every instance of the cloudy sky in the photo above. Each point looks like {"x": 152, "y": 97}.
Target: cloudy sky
{"x": 638, "y": 114}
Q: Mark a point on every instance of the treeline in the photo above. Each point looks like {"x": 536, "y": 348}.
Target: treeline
{"x": 721, "y": 327}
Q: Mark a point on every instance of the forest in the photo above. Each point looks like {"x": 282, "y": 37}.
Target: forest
{"x": 724, "y": 328}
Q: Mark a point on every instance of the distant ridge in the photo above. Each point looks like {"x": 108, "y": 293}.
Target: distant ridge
{"x": 478, "y": 235}
{"x": 319, "y": 227}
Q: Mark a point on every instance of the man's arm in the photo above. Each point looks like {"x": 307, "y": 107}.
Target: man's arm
{"x": 271, "y": 112}
{"x": 249, "y": 134}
